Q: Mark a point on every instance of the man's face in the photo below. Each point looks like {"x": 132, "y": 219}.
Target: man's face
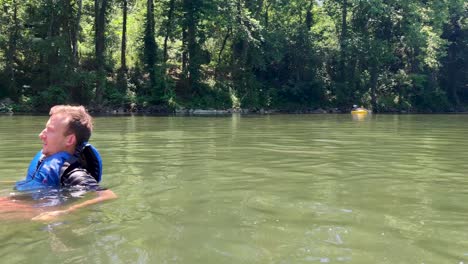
{"x": 53, "y": 136}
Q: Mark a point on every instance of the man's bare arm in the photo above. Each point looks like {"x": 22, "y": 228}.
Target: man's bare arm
{"x": 102, "y": 196}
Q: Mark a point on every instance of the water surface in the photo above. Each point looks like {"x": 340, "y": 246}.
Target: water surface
{"x": 257, "y": 189}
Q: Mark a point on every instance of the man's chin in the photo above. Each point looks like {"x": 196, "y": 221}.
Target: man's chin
{"x": 45, "y": 152}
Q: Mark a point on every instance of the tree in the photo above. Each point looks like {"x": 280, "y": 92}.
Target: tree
{"x": 11, "y": 10}
{"x": 100, "y": 9}
{"x": 192, "y": 53}
{"x": 123, "y": 50}
{"x": 155, "y": 86}
{"x": 454, "y": 65}
{"x": 297, "y": 54}
{"x": 169, "y": 27}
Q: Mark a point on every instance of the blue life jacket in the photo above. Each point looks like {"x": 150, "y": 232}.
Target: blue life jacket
{"x": 46, "y": 172}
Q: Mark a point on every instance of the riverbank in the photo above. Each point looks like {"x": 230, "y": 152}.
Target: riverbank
{"x": 7, "y": 106}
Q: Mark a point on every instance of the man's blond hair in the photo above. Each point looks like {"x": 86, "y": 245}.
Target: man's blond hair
{"x": 79, "y": 121}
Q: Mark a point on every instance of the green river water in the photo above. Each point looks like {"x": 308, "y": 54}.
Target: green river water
{"x": 256, "y": 189}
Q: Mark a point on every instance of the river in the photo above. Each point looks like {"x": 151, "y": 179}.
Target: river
{"x": 256, "y": 189}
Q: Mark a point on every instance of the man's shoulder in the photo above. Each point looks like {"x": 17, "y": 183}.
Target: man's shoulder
{"x": 75, "y": 175}
{"x": 91, "y": 160}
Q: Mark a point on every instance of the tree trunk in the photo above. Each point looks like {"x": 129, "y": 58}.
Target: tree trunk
{"x": 67, "y": 28}
{"x": 454, "y": 64}
{"x": 266, "y": 15}
{"x": 122, "y": 84}
{"x": 344, "y": 29}
{"x": 191, "y": 45}
{"x": 123, "y": 51}
{"x": 11, "y": 56}
{"x": 239, "y": 58}
{"x": 52, "y": 53}
{"x": 191, "y": 33}
{"x": 184, "y": 49}
{"x": 150, "y": 51}
{"x": 168, "y": 27}
{"x": 373, "y": 85}
{"x": 223, "y": 45}
{"x": 309, "y": 18}
{"x": 76, "y": 31}
{"x": 100, "y": 20}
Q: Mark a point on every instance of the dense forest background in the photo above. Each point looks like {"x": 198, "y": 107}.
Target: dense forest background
{"x": 388, "y": 55}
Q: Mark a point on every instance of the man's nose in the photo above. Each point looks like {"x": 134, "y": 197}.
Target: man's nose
{"x": 42, "y": 134}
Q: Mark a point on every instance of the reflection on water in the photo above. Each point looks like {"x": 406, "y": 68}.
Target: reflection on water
{"x": 257, "y": 189}
{"x": 361, "y": 116}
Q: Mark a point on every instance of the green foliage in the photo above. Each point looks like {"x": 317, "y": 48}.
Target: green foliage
{"x": 425, "y": 99}
{"x": 51, "y": 96}
{"x": 217, "y": 98}
{"x": 389, "y": 55}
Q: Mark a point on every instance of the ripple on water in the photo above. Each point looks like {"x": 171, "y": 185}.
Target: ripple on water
{"x": 270, "y": 189}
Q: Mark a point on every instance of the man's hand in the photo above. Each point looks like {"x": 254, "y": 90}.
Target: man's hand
{"x": 49, "y": 216}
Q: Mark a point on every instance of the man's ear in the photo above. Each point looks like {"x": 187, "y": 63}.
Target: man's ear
{"x": 71, "y": 140}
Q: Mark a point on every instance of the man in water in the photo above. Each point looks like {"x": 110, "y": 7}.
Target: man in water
{"x": 58, "y": 165}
